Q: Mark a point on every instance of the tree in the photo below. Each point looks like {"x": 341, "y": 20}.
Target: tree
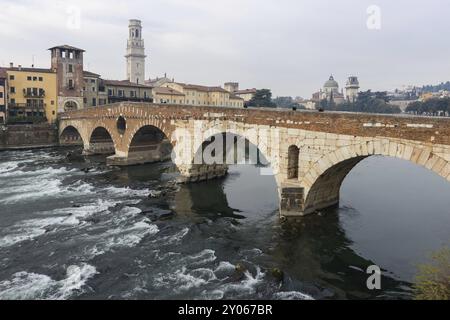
{"x": 435, "y": 107}
{"x": 433, "y": 280}
{"x": 367, "y": 102}
{"x": 262, "y": 98}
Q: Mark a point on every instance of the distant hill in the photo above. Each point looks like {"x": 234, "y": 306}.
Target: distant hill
{"x": 439, "y": 87}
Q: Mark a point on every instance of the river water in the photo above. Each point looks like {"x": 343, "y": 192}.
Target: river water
{"x": 81, "y": 230}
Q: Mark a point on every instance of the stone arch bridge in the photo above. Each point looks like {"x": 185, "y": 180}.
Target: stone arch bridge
{"x": 310, "y": 153}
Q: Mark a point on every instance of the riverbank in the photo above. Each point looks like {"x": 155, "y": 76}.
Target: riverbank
{"x": 28, "y": 136}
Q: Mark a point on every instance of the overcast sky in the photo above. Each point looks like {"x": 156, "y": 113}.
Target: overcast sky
{"x": 290, "y": 46}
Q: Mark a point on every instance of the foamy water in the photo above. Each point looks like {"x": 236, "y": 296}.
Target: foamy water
{"x": 102, "y": 233}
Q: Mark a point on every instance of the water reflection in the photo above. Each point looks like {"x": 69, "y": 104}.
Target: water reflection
{"x": 314, "y": 252}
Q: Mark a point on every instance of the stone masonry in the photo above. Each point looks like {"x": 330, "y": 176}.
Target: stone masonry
{"x": 329, "y": 144}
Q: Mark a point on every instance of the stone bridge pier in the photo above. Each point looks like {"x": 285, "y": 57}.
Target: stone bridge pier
{"x": 308, "y": 154}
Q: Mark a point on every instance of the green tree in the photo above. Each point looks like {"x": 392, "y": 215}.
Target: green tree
{"x": 367, "y": 102}
{"x": 263, "y": 99}
{"x": 433, "y": 279}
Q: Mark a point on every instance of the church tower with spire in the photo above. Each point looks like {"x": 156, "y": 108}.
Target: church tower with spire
{"x": 135, "y": 53}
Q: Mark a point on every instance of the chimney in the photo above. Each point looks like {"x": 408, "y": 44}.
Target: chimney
{"x": 20, "y": 67}
{"x": 11, "y": 65}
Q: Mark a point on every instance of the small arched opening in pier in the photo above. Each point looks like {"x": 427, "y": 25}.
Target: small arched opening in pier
{"x": 293, "y": 162}
{"x": 70, "y": 136}
{"x": 149, "y": 144}
{"x": 101, "y": 142}
{"x": 121, "y": 125}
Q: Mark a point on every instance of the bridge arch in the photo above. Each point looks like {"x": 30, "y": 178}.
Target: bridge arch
{"x": 325, "y": 177}
{"x": 101, "y": 141}
{"x": 148, "y": 143}
{"x": 71, "y": 135}
{"x": 223, "y": 147}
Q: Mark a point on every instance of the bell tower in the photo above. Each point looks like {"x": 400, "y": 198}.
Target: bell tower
{"x": 135, "y": 53}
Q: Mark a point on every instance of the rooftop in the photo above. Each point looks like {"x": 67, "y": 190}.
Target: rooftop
{"x": 90, "y": 74}
{"x": 67, "y": 47}
{"x": 202, "y": 88}
{"x": 246, "y": 91}
{"x": 39, "y": 70}
{"x": 125, "y": 83}
{"x": 166, "y": 90}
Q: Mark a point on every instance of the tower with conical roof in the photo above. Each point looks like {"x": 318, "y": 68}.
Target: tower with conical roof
{"x": 135, "y": 53}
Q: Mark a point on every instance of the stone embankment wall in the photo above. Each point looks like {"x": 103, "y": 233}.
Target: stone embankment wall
{"x": 28, "y": 136}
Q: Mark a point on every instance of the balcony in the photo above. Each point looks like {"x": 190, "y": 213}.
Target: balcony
{"x": 27, "y": 106}
{"x": 31, "y": 94}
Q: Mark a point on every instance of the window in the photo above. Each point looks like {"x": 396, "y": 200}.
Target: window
{"x": 1, "y": 94}
{"x": 52, "y": 102}
{"x": 11, "y": 77}
{"x": 34, "y": 78}
{"x": 70, "y": 83}
{"x": 92, "y": 80}
{"x": 13, "y": 101}
{"x": 94, "y": 102}
{"x": 110, "y": 93}
{"x": 71, "y": 55}
{"x": 41, "y": 79}
{"x": 13, "y": 89}
{"x": 70, "y": 68}
{"x": 29, "y": 78}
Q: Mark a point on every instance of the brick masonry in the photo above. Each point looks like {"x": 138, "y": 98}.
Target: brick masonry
{"x": 330, "y": 144}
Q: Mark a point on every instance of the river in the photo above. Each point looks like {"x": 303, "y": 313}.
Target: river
{"x": 81, "y": 230}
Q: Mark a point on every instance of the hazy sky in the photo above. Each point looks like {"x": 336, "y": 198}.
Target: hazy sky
{"x": 290, "y": 46}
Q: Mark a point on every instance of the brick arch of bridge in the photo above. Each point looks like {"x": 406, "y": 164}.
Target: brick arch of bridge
{"x": 107, "y": 125}
{"x": 134, "y": 125}
{"x": 323, "y": 182}
{"x": 81, "y": 129}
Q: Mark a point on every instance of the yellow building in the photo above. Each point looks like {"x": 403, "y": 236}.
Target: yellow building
{"x": 32, "y": 93}
{"x": 3, "y": 77}
{"x": 246, "y": 94}
{"x": 197, "y": 95}
{"x": 168, "y": 95}
{"x": 427, "y": 96}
